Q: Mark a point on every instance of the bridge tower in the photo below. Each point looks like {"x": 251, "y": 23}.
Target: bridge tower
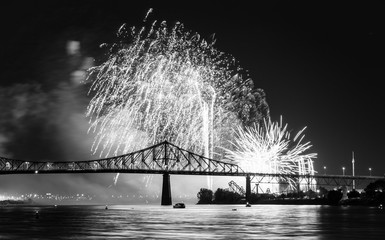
{"x": 166, "y": 187}
{"x": 354, "y": 181}
{"x": 248, "y": 188}
{"x": 166, "y": 190}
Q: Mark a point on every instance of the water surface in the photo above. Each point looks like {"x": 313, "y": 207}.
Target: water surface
{"x": 193, "y": 222}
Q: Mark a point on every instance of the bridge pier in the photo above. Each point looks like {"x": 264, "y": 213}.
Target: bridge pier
{"x": 248, "y": 188}
{"x": 298, "y": 182}
{"x": 166, "y": 190}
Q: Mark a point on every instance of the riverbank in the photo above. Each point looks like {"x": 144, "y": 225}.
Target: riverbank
{"x": 9, "y": 202}
{"x": 316, "y": 201}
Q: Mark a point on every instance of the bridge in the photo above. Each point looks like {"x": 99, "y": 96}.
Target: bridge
{"x": 166, "y": 158}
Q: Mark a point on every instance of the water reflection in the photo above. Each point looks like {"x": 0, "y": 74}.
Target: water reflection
{"x": 193, "y": 222}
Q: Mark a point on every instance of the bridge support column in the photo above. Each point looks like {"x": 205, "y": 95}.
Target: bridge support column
{"x": 344, "y": 193}
{"x": 166, "y": 190}
{"x": 298, "y": 185}
{"x": 248, "y": 188}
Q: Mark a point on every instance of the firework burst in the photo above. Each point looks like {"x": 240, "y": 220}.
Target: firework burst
{"x": 269, "y": 148}
{"x": 161, "y": 83}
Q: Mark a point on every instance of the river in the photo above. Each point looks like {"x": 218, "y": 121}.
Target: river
{"x": 193, "y": 222}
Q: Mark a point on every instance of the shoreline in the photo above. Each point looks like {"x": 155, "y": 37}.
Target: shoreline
{"x": 320, "y": 201}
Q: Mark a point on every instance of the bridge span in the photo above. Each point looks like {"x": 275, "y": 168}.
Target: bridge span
{"x": 166, "y": 158}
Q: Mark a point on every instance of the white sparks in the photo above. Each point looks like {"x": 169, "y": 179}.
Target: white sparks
{"x": 270, "y": 149}
{"x": 167, "y": 84}
{"x": 170, "y": 84}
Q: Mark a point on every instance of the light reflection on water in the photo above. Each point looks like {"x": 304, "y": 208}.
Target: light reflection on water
{"x": 193, "y": 222}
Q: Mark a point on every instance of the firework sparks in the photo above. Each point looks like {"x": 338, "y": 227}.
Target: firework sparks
{"x": 270, "y": 149}
{"x": 168, "y": 84}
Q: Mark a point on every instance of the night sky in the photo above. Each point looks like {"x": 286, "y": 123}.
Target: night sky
{"x": 321, "y": 65}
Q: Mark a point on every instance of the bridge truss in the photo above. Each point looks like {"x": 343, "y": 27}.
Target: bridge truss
{"x": 161, "y": 158}
{"x": 307, "y": 182}
{"x": 167, "y": 158}
{"x": 236, "y": 188}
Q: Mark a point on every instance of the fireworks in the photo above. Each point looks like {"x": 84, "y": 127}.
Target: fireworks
{"x": 165, "y": 84}
{"x": 269, "y": 148}
{"x": 169, "y": 84}
{"x": 161, "y": 83}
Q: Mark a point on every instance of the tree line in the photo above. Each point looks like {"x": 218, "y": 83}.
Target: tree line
{"x": 373, "y": 194}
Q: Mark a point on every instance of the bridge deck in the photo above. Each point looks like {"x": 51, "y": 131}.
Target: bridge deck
{"x": 165, "y": 158}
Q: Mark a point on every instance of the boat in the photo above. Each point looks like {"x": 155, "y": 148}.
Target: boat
{"x": 179, "y": 205}
{"x": 248, "y": 204}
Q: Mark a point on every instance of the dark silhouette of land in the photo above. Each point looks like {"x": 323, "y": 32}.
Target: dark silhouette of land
{"x": 15, "y": 202}
{"x": 372, "y": 195}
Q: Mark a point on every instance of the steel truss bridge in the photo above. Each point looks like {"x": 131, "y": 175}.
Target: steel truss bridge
{"x": 166, "y": 158}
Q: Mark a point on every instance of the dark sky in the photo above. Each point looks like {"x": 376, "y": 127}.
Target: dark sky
{"x": 321, "y": 64}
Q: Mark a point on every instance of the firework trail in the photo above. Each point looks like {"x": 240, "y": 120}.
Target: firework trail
{"x": 269, "y": 148}
{"x": 161, "y": 83}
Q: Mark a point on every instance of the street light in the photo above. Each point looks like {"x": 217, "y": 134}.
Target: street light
{"x": 370, "y": 171}
{"x": 324, "y": 170}
{"x": 343, "y": 171}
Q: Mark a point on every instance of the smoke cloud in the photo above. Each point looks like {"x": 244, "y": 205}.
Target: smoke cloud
{"x": 45, "y": 121}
